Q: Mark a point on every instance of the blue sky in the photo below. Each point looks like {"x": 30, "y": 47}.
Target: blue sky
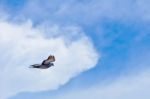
{"x": 109, "y": 39}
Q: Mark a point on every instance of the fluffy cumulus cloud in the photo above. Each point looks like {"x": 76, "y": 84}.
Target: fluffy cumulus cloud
{"x": 22, "y": 45}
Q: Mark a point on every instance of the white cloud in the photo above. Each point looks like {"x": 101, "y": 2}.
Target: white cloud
{"x": 22, "y": 45}
{"x": 129, "y": 87}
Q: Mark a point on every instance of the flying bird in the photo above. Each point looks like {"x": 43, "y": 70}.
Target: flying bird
{"x": 45, "y": 64}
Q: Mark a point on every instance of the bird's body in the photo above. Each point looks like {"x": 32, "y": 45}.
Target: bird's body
{"x": 45, "y": 64}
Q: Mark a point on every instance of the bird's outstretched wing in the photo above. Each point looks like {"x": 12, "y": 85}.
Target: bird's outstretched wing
{"x": 48, "y": 60}
{"x": 51, "y": 58}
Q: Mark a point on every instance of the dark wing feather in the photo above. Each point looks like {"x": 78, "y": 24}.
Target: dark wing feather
{"x": 48, "y": 60}
{"x": 51, "y": 59}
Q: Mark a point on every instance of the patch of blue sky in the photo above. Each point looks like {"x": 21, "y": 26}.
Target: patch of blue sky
{"x": 13, "y": 5}
{"x": 117, "y": 55}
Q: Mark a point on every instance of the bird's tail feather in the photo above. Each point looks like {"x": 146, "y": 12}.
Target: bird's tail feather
{"x": 32, "y": 66}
